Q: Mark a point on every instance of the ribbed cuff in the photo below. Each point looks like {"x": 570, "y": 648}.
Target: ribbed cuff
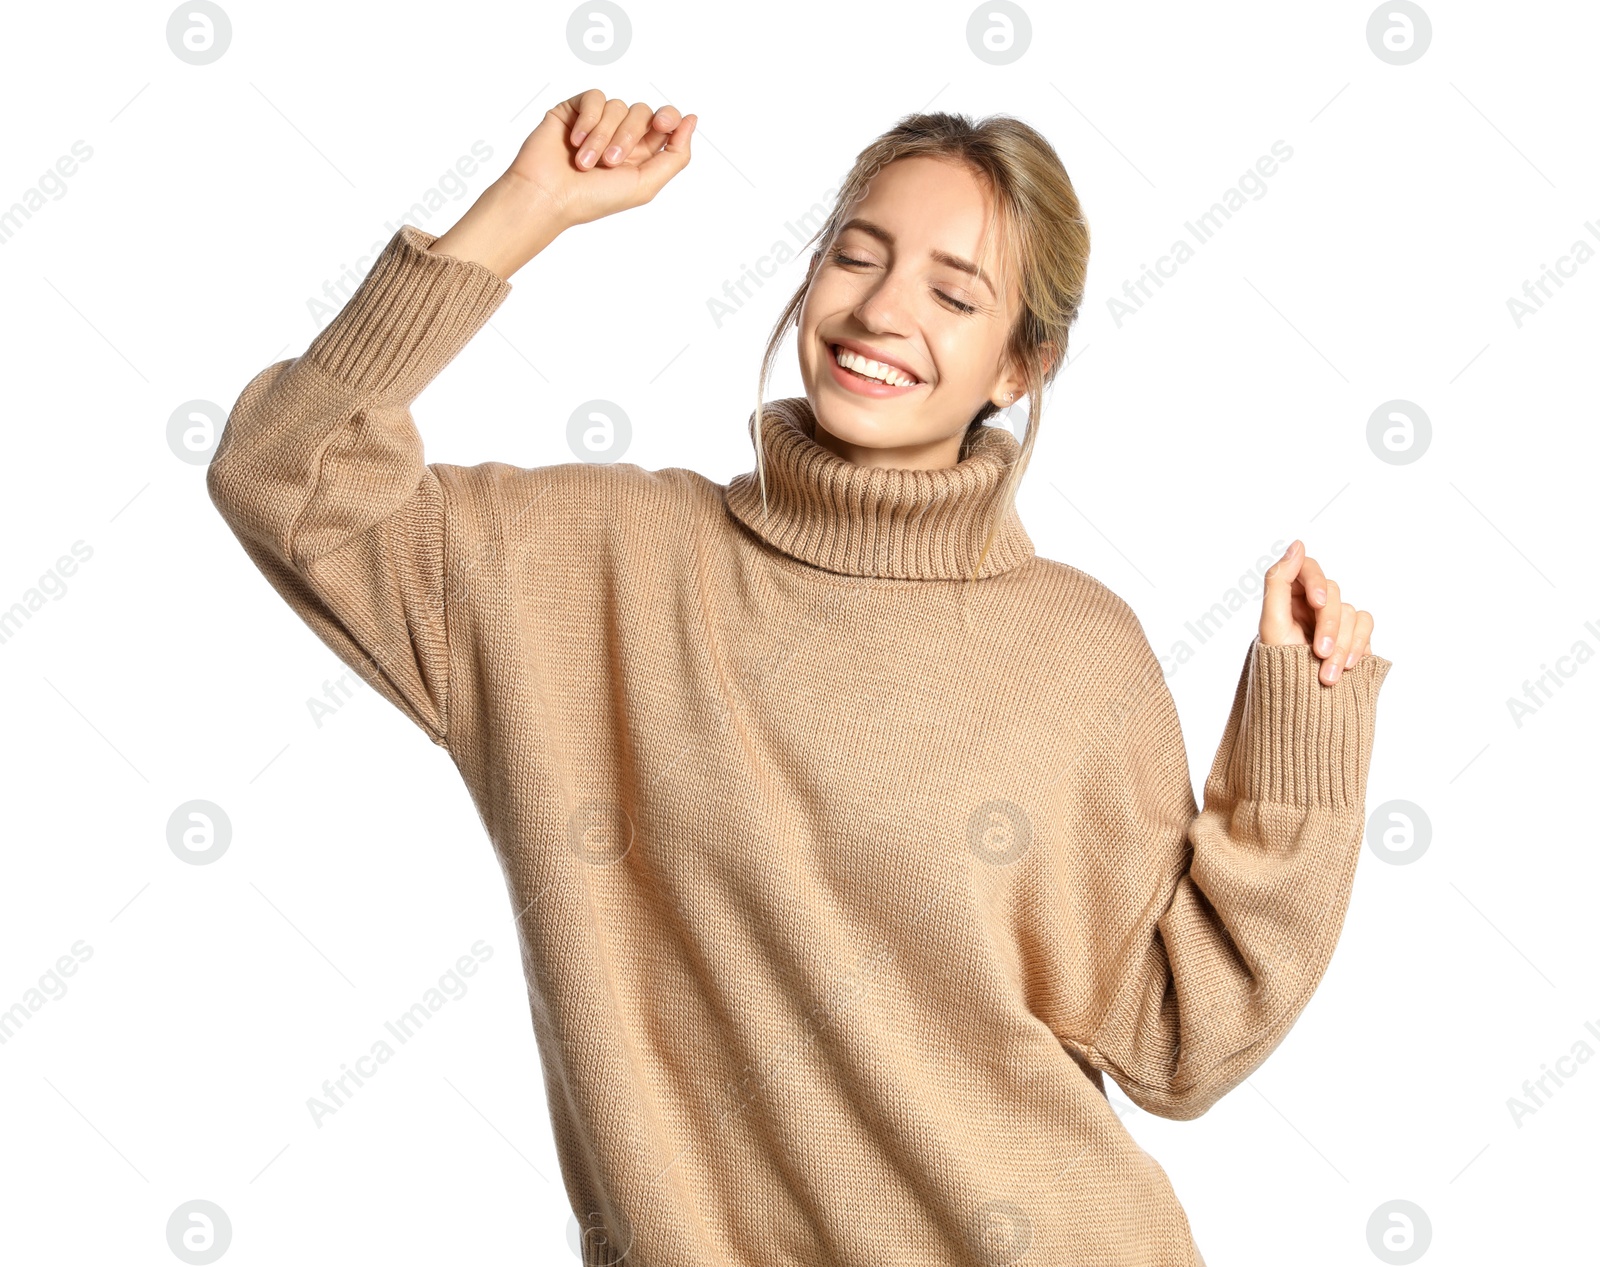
{"x": 1302, "y": 742}
{"x": 406, "y": 321}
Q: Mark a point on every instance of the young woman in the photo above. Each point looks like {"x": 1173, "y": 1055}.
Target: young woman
{"x": 851, "y": 842}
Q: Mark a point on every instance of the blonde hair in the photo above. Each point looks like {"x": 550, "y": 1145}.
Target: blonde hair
{"x": 1043, "y": 233}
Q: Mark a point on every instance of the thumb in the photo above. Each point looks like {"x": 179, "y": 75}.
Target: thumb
{"x": 1278, "y": 624}
{"x": 668, "y": 161}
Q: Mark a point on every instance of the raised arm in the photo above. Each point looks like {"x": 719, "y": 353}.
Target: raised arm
{"x": 1236, "y": 908}
{"x": 320, "y": 470}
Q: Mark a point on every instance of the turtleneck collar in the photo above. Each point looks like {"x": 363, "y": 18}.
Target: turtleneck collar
{"x": 891, "y": 522}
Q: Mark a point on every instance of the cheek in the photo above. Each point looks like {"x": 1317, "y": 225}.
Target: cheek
{"x": 807, "y": 333}
{"x": 816, "y": 309}
{"x": 965, "y": 357}
{"x": 812, "y": 309}
{"x": 953, "y": 360}
{"x": 833, "y": 293}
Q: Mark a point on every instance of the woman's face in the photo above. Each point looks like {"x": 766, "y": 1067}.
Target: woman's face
{"x": 898, "y": 281}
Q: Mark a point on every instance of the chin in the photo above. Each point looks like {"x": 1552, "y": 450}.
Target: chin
{"x": 864, "y": 428}
{"x": 856, "y": 430}
{"x": 865, "y": 425}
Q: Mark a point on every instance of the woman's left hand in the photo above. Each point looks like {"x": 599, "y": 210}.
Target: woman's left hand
{"x": 1301, "y": 605}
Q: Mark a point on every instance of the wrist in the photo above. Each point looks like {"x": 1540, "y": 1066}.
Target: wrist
{"x": 1301, "y": 741}
{"x": 510, "y": 223}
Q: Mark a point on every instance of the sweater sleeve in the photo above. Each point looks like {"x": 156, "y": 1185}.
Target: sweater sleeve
{"x": 1238, "y": 906}
{"x": 319, "y": 472}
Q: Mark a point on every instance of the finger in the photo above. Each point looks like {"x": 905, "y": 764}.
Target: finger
{"x": 658, "y": 132}
{"x": 648, "y": 145}
{"x": 659, "y": 168}
{"x": 599, "y": 136}
{"x": 587, "y": 108}
{"x": 634, "y": 127}
{"x": 1328, "y": 617}
{"x": 1278, "y": 596}
{"x": 1315, "y": 581}
{"x": 1362, "y": 641}
{"x": 1333, "y": 666}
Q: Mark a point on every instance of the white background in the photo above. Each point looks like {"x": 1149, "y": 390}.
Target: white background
{"x": 1227, "y": 415}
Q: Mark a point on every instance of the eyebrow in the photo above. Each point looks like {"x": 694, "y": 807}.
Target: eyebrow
{"x": 943, "y": 257}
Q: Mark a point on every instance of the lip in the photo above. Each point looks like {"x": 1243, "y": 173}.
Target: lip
{"x": 859, "y": 386}
{"x": 873, "y": 354}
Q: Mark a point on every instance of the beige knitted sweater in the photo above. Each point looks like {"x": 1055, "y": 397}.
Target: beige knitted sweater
{"x": 840, "y": 880}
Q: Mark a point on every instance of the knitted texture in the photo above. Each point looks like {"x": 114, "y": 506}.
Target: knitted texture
{"x": 842, "y": 881}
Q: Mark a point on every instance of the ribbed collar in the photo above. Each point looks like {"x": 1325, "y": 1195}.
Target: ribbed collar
{"x": 890, "y": 522}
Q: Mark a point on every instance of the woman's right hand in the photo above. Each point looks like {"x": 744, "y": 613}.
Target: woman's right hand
{"x": 546, "y": 191}
{"x": 568, "y": 164}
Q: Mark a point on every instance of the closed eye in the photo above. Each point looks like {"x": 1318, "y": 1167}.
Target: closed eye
{"x": 840, "y": 258}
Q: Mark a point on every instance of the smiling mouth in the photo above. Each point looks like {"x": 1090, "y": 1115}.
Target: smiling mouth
{"x": 835, "y": 350}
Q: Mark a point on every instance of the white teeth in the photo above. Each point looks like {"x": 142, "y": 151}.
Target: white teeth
{"x": 872, "y": 369}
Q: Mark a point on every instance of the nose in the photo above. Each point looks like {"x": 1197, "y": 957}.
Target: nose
{"x": 883, "y": 307}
